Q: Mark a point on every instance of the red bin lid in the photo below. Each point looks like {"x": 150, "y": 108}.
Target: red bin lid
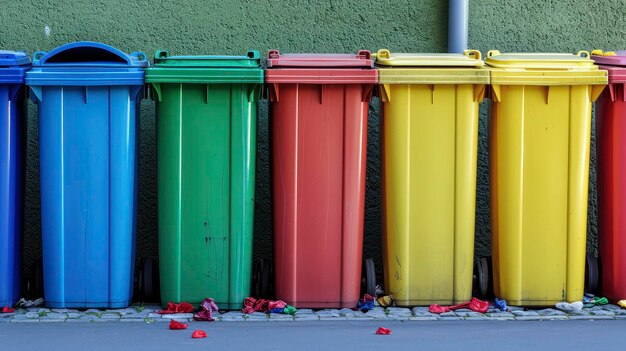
{"x": 362, "y": 59}
{"x": 614, "y": 62}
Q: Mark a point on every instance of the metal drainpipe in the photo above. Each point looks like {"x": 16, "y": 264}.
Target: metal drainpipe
{"x": 457, "y": 25}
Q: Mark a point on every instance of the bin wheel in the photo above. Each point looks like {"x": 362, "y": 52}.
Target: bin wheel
{"x": 370, "y": 277}
{"x": 591, "y": 274}
{"x": 262, "y": 273}
{"x": 483, "y": 276}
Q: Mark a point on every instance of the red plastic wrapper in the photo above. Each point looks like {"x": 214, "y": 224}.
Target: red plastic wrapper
{"x": 175, "y": 325}
{"x": 207, "y": 307}
{"x": 183, "y": 307}
{"x": 7, "y": 310}
{"x": 383, "y": 331}
{"x": 250, "y": 305}
{"x": 474, "y": 304}
{"x": 197, "y": 334}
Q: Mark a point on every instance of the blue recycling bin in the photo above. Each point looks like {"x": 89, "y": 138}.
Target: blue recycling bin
{"x": 88, "y": 95}
{"x": 13, "y": 66}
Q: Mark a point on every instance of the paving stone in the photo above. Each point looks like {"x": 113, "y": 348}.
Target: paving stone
{"x": 279, "y": 317}
{"x": 498, "y": 318}
{"x": 619, "y": 312}
{"x": 184, "y": 316}
{"x": 516, "y": 308}
{"x": 619, "y": 316}
{"x": 339, "y": 318}
{"x": 446, "y": 315}
{"x": 483, "y": 318}
{"x": 609, "y": 307}
{"x": 78, "y": 320}
{"x": 463, "y": 310}
{"x": 154, "y": 315}
{"x": 398, "y": 318}
{"x": 399, "y": 311}
{"x": 25, "y": 320}
{"x": 469, "y": 314}
{"x": 328, "y": 313}
{"x": 110, "y": 316}
{"x": 524, "y": 313}
{"x": 92, "y": 310}
{"x": 121, "y": 310}
{"x": 64, "y": 310}
{"x": 43, "y": 320}
{"x": 232, "y": 316}
{"x": 132, "y": 320}
{"x": 5, "y": 320}
{"x": 536, "y": 317}
{"x": 500, "y": 315}
{"x": 100, "y": 320}
{"x": 578, "y": 313}
{"x": 602, "y": 313}
{"x": 256, "y": 316}
{"x": 588, "y": 317}
{"x": 419, "y": 309}
{"x": 134, "y": 315}
{"x": 422, "y": 318}
{"x": 88, "y": 317}
{"x": 361, "y": 317}
{"x": 422, "y": 312}
{"x": 73, "y": 315}
{"x": 304, "y": 311}
{"x": 551, "y": 312}
{"x": 53, "y": 316}
{"x": 347, "y": 311}
{"x": 30, "y": 315}
{"x": 307, "y": 317}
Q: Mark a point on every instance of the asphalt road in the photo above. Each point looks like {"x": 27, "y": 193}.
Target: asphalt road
{"x": 321, "y": 335}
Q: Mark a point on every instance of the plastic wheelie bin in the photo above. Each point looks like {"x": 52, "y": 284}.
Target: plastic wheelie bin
{"x": 611, "y": 152}
{"x": 318, "y": 110}
{"x": 88, "y": 95}
{"x": 206, "y": 142}
{"x": 13, "y": 67}
{"x": 539, "y": 133}
{"x": 429, "y": 133}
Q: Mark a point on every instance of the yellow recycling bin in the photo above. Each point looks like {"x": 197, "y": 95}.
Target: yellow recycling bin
{"x": 539, "y": 132}
{"x": 429, "y": 132}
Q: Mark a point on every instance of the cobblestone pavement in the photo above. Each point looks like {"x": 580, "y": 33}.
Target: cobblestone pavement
{"x": 147, "y": 314}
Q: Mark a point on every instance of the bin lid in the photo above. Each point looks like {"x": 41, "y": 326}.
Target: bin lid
{"x": 13, "y": 66}
{"x": 544, "y": 69}
{"x": 611, "y": 58}
{"x": 321, "y": 68}
{"x": 613, "y": 62}
{"x": 362, "y": 59}
{"x": 205, "y": 69}
{"x": 470, "y": 58}
{"x": 87, "y": 63}
{"x": 556, "y": 61}
{"x": 466, "y": 68}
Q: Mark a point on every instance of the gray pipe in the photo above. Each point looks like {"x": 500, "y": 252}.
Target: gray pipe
{"x": 457, "y": 25}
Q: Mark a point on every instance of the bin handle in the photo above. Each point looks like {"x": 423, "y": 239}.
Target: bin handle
{"x": 492, "y": 53}
{"x": 383, "y": 53}
{"x": 475, "y": 54}
{"x": 161, "y": 54}
{"x": 38, "y": 55}
{"x": 583, "y": 53}
{"x": 141, "y": 56}
{"x": 253, "y": 54}
{"x": 273, "y": 54}
{"x": 364, "y": 54}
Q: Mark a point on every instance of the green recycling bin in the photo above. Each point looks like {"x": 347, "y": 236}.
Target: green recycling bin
{"x": 206, "y": 154}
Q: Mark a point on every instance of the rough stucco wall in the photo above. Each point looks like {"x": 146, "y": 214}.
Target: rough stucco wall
{"x": 232, "y": 27}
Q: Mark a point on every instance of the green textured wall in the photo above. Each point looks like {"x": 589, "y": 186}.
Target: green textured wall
{"x": 232, "y": 27}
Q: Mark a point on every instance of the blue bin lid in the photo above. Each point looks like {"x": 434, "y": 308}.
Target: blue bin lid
{"x": 87, "y": 63}
{"x": 13, "y": 66}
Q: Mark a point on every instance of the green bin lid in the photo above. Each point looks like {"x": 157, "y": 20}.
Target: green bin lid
{"x": 205, "y": 69}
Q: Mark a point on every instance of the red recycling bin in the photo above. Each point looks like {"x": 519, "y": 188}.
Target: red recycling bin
{"x": 318, "y": 108}
{"x": 611, "y": 152}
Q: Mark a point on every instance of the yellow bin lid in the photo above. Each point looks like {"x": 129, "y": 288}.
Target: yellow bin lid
{"x": 431, "y": 68}
{"x": 544, "y": 69}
